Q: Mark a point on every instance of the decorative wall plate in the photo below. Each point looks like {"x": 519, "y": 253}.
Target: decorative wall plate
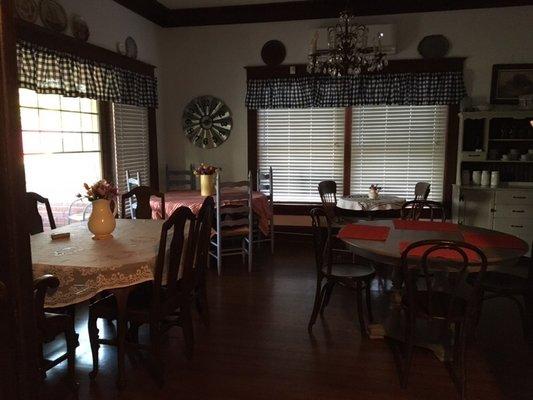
{"x": 434, "y": 46}
{"x": 131, "y": 47}
{"x": 207, "y": 122}
{"x": 80, "y": 30}
{"x": 53, "y": 15}
{"x": 273, "y": 52}
{"x": 27, "y": 10}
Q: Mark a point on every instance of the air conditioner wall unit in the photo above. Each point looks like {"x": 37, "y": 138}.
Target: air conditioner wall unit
{"x": 386, "y": 31}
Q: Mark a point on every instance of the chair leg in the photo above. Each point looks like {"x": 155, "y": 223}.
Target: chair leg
{"x": 328, "y": 289}
{"x": 360, "y": 314}
{"x": 369, "y": 301}
{"x": 219, "y": 257}
{"x": 459, "y": 362}
{"x": 155, "y": 340}
{"x": 93, "y": 338}
{"x": 316, "y": 306}
{"x": 250, "y": 253}
{"x": 72, "y": 341}
{"x": 188, "y": 332}
{"x": 202, "y": 304}
{"x": 523, "y": 316}
{"x": 409, "y": 347}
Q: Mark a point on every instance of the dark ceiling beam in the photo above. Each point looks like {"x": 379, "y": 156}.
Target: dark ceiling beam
{"x": 298, "y": 10}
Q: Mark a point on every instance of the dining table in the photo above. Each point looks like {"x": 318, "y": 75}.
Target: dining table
{"x": 383, "y": 241}
{"x": 86, "y": 267}
{"x": 361, "y": 202}
{"x": 193, "y": 200}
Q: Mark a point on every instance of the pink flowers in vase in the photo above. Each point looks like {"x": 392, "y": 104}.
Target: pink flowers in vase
{"x": 100, "y": 190}
{"x": 205, "y": 169}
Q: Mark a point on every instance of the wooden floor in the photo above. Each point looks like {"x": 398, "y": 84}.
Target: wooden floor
{"x": 258, "y": 347}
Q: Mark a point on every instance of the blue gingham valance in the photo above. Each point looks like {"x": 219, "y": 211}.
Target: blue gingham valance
{"x": 425, "y": 88}
{"x": 49, "y": 71}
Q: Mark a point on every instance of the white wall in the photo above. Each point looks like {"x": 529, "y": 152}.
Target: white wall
{"x": 211, "y": 60}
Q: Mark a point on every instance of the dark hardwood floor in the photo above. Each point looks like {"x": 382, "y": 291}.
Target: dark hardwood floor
{"x": 257, "y": 347}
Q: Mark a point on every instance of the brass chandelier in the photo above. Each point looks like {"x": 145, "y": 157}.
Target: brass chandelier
{"x": 348, "y": 52}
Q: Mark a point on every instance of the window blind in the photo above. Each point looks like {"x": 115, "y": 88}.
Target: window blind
{"x": 130, "y": 126}
{"x": 397, "y": 146}
{"x": 303, "y": 147}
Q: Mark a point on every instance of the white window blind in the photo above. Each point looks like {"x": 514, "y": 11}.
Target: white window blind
{"x": 303, "y": 147}
{"x": 130, "y": 125}
{"x": 397, "y": 146}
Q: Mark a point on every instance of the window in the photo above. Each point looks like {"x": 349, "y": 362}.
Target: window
{"x": 61, "y": 142}
{"x": 304, "y": 147}
{"x": 130, "y": 127}
{"x": 398, "y": 146}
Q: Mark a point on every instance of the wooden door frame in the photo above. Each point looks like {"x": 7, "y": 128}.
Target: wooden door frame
{"x": 19, "y": 350}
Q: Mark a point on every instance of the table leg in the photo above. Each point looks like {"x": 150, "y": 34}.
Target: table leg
{"x": 121, "y": 295}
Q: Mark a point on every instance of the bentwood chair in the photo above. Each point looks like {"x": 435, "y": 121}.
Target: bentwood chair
{"x": 52, "y": 324}
{"x": 265, "y": 185}
{"x": 142, "y": 196}
{"x": 162, "y": 303}
{"x": 234, "y": 221}
{"x": 422, "y": 190}
{"x": 355, "y": 277}
{"x": 180, "y": 179}
{"x": 33, "y": 218}
{"x": 439, "y": 291}
{"x": 423, "y": 209}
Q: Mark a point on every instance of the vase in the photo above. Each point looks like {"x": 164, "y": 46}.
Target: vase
{"x": 207, "y": 185}
{"x": 373, "y": 194}
{"x": 102, "y": 221}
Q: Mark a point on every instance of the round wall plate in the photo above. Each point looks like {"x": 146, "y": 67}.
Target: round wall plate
{"x": 53, "y": 15}
{"x": 27, "y": 10}
{"x": 131, "y": 47}
{"x": 207, "y": 122}
{"x": 273, "y": 52}
{"x": 433, "y": 46}
{"x": 80, "y": 30}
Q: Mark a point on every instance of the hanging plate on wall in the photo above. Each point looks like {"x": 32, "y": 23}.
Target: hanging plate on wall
{"x": 53, "y": 15}
{"x": 207, "y": 122}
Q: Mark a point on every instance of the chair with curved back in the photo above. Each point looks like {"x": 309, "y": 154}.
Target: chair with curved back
{"x": 33, "y": 218}
{"x": 422, "y": 190}
{"x": 265, "y": 185}
{"x": 423, "y": 209}
{"x": 352, "y": 276}
{"x": 142, "y": 196}
{"x": 438, "y": 289}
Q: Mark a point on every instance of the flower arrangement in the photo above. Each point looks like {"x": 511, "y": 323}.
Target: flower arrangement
{"x": 100, "y": 190}
{"x": 375, "y": 188}
{"x": 205, "y": 169}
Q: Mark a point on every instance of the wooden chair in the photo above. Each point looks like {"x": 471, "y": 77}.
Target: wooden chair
{"x": 497, "y": 284}
{"x": 417, "y": 209}
{"x": 328, "y": 196}
{"x": 265, "y": 185}
{"x": 157, "y": 303}
{"x": 456, "y": 304}
{"x": 201, "y": 261}
{"x": 50, "y": 325}
{"x": 142, "y": 196}
{"x": 33, "y": 218}
{"x": 180, "y": 179}
{"x": 233, "y": 221}
{"x": 422, "y": 190}
{"x": 352, "y": 276}
{"x": 132, "y": 181}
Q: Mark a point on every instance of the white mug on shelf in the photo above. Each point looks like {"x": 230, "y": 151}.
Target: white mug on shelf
{"x": 485, "y": 178}
{"x": 495, "y": 179}
{"x": 476, "y": 178}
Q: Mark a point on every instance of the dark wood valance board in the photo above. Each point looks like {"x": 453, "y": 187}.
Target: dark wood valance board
{"x": 297, "y": 10}
{"x": 56, "y": 41}
{"x": 450, "y": 64}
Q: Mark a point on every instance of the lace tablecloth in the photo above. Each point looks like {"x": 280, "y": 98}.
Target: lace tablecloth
{"x": 86, "y": 267}
{"x": 361, "y": 202}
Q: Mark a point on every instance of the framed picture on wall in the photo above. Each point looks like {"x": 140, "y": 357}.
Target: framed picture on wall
{"x": 509, "y": 81}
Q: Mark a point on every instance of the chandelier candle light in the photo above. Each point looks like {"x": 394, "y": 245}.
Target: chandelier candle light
{"x": 348, "y": 52}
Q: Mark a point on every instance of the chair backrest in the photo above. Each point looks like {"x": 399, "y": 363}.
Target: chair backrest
{"x": 33, "y": 218}
{"x": 177, "y": 271}
{"x": 422, "y": 190}
{"x": 204, "y": 224}
{"x": 417, "y": 209}
{"x": 328, "y": 196}
{"x": 180, "y": 179}
{"x": 142, "y": 196}
{"x": 233, "y": 204}
{"x": 322, "y": 236}
{"x": 461, "y": 259}
{"x": 132, "y": 180}
{"x": 40, "y": 287}
{"x": 265, "y": 184}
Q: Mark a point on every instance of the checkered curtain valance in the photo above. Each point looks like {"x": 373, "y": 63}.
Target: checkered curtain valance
{"x": 414, "y": 89}
{"x": 49, "y": 71}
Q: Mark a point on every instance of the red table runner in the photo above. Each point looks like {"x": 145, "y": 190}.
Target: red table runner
{"x": 425, "y": 226}
{"x": 364, "y": 232}
{"x": 497, "y": 240}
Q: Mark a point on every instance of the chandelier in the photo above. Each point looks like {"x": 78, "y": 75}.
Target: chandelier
{"x": 348, "y": 52}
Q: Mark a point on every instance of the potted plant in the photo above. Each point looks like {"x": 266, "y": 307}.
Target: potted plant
{"x": 207, "y": 181}
{"x": 102, "y": 220}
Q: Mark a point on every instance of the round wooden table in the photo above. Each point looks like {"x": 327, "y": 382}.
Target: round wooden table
{"x": 388, "y": 252}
